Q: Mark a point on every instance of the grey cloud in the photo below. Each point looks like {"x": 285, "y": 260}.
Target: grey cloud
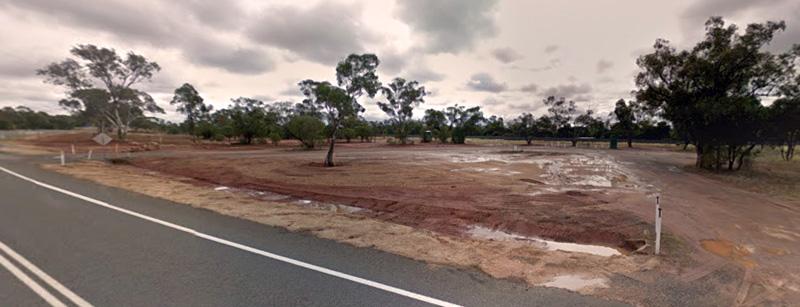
{"x": 392, "y": 62}
{"x": 484, "y": 82}
{"x": 605, "y": 79}
{"x": 248, "y": 61}
{"x": 424, "y": 74}
{"x": 152, "y": 23}
{"x": 449, "y": 26}
{"x": 325, "y": 33}
{"x": 604, "y": 65}
{"x": 552, "y": 64}
{"x": 570, "y": 91}
{"x": 551, "y": 48}
{"x": 506, "y": 55}
{"x": 222, "y": 14}
{"x": 530, "y": 88}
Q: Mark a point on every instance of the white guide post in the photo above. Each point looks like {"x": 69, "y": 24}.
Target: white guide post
{"x": 89, "y": 156}
{"x": 72, "y": 147}
{"x": 62, "y": 158}
{"x": 658, "y": 225}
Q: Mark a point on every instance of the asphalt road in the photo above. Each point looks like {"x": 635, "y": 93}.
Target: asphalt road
{"x": 172, "y": 254}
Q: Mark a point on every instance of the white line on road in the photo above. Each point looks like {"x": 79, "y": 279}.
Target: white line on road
{"x": 44, "y": 294}
{"x": 44, "y": 277}
{"x": 243, "y": 247}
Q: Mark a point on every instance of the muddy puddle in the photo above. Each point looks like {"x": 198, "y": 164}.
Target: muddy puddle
{"x": 497, "y": 235}
{"x": 287, "y": 199}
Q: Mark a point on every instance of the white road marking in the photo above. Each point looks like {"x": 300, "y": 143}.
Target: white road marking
{"x": 49, "y": 298}
{"x": 44, "y": 277}
{"x": 243, "y": 247}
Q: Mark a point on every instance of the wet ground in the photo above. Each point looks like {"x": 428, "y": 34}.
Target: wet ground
{"x": 739, "y": 244}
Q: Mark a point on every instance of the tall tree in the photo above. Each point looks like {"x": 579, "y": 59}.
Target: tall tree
{"x": 525, "y": 126}
{"x": 191, "y": 104}
{"x": 356, "y": 75}
{"x": 712, "y": 92}
{"x": 625, "y": 118}
{"x": 117, "y": 76}
{"x": 436, "y": 121}
{"x": 401, "y": 99}
{"x": 463, "y": 120}
{"x": 561, "y": 112}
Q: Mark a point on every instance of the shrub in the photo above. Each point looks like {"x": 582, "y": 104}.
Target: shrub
{"x": 306, "y": 129}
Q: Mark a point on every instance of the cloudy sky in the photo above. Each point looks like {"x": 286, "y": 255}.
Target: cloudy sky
{"x": 505, "y": 56}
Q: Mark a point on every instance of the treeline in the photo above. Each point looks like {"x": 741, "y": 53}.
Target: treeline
{"x": 711, "y": 96}
{"x": 23, "y": 118}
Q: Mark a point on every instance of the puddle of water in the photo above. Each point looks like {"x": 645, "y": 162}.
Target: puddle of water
{"x": 576, "y": 282}
{"x": 491, "y": 170}
{"x": 486, "y": 233}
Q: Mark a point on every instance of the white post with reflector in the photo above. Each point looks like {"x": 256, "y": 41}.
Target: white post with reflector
{"x": 658, "y": 224}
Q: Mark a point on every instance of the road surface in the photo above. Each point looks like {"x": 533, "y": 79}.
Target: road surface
{"x": 76, "y": 243}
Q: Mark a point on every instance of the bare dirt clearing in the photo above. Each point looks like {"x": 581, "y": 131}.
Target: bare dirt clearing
{"x": 511, "y": 214}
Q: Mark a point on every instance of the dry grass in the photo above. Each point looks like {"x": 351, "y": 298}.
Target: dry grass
{"x": 768, "y": 174}
{"x": 504, "y": 259}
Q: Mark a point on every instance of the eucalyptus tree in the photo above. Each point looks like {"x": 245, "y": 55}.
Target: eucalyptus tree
{"x": 525, "y": 126}
{"x": 624, "y": 112}
{"x": 191, "y": 104}
{"x": 712, "y": 92}
{"x": 356, "y": 76}
{"x": 401, "y": 98}
{"x": 102, "y": 68}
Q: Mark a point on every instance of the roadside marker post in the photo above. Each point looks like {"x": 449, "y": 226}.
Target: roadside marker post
{"x": 89, "y": 156}
{"x": 72, "y": 148}
{"x": 658, "y": 224}
{"x": 62, "y": 158}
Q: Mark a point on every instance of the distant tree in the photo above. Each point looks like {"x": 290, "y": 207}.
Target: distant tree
{"x": 306, "y": 129}
{"x": 495, "y": 126}
{"x": 525, "y": 126}
{"x": 785, "y": 121}
{"x": 249, "y": 119}
{"x": 624, "y": 112}
{"x": 561, "y": 112}
{"x": 436, "y": 121}
{"x": 463, "y": 120}
{"x": 712, "y": 92}
{"x": 590, "y": 125}
{"x": 401, "y": 99}
{"x": 116, "y": 74}
{"x": 191, "y": 104}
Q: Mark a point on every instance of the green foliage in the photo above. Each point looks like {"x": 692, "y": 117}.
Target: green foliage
{"x": 275, "y": 138}
{"x": 23, "y": 117}
{"x": 249, "y": 120}
{"x": 712, "y": 92}
{"x": 120, "y": 103}
{"x": 525, "y": 126}
{"x": 462, "y": 121}
{"x": 306, "y": 129}
{"x": 191, "y": 104}
{"x": 401, "y": 99}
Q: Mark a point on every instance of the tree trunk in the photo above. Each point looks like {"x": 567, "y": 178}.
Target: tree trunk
{"x": 630, "y": 142}
{"x": 698, "y": 163}
{"x": 329, "y": 157}
{"x": 529, "y": 140}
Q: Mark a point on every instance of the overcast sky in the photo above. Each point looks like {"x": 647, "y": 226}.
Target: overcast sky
{"x": 505, "y": 56}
